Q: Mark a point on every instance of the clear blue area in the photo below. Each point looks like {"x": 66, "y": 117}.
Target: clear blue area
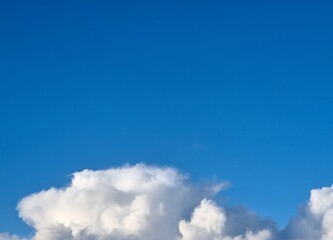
{"x": 235, "y": 90}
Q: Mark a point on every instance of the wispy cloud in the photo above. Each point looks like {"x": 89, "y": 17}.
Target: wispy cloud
{"x": 7, "y": 236}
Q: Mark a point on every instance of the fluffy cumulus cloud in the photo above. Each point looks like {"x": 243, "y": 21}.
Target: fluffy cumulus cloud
{"x": 148, "y": 202}
{"x": 206, "y": 223}
{"x": 138, "y": 202}
{"x": 315, "y": 220}
{"x": 209, "y": 221}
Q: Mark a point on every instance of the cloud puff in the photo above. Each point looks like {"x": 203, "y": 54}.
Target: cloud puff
{"x": 209, "y": 221}
{"x": 132, "y": 202}
{"x": 127, "y": 203}
{"x": 321, "y": 208}
{"x": 206, "y": 223}
{"x": 148, "y": 202}
{"x": 315, "y": 220}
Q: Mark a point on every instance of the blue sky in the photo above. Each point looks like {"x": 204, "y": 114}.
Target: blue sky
{"x": 231, "y": 90}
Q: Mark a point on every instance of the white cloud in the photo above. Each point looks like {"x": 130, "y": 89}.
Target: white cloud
{"x": 148, "y": 202}
{"x": 315, "y": 220}
{"x": 132, "y": 202}
{"x": 321, "y": 207}
{"x": 208, "y": 222}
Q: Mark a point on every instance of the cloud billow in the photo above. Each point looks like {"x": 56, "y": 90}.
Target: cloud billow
{"x": 143, "y": 202}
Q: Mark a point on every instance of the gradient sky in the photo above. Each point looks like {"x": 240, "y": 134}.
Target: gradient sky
{"x": 231, "y": 90}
